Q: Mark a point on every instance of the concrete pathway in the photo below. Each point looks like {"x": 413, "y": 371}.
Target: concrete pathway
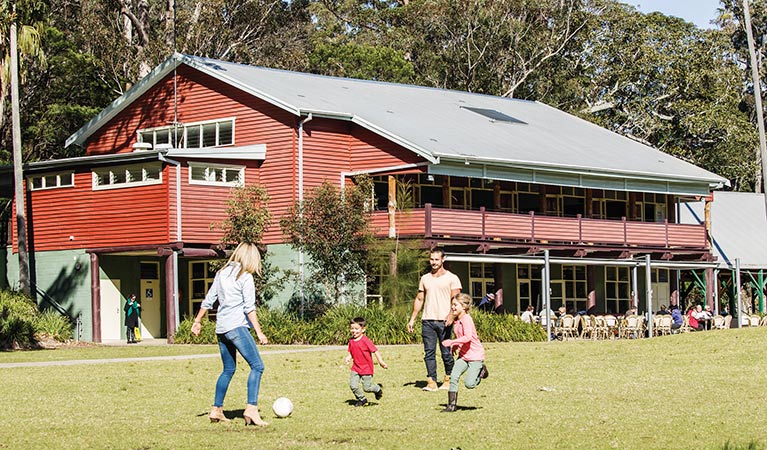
{"x": 77, "y": 362}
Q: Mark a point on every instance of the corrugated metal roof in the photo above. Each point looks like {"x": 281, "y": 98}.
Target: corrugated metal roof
{"x": 738, "y": 225}
{"x": 436, "y": 124}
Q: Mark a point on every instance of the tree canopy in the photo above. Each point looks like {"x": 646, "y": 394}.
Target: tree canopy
{"x": 654, "y": 78}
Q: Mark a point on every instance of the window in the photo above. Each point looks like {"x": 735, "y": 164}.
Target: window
{"x": 652, "y": 209}
{"x": 216, "y": 174}
{"x": 52, "y": 181}
{"x": 428, "y": 189}
{"x": 574, "y": 278}
{"x": 481, "y": 280}
{"x": 529, "y": 287}
{"x": 127, "y": 176}
{"x": 527, "y": 199}
{"x": 201, "y": 276}
{"x": 191, "y": 135}
{"x": 617, "y": 289}
{"x": 565, "y": 201}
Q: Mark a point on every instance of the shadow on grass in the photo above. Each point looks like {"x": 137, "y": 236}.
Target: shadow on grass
{"x": 463, "y": 408}
{"x": 753, "y": 445}
{"x": 354, "y": 401}
{"x": 417, "y": 384}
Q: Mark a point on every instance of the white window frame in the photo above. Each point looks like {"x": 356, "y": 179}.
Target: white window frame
{"x": 183, "y": 130}
{"x": 116, "y": 171}
{"x": 44, "y": 181}
{"x": 208, "y": 167}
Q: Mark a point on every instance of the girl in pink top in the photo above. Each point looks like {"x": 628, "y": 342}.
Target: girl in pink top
{"x": 471, "y": 354}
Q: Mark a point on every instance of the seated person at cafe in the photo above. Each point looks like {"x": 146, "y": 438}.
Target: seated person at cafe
{"x": 527, "y": 315}
{"x": 676, "y": 317}
{"x": 703, "y": 317}
{"x": 663, "y": 311}
{"x": 692, "y": 320}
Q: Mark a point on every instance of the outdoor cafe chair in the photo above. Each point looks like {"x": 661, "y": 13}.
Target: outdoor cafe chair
{"x": 600, "y": 327}
{"x": 612, "y": 326}
{"x": 754, "y": 319}
{"x": 631, "y": 330}
{"x": 588, "y": 328}
{"x": 717, "y": 322}
{"x": 763, "y": 323}
{"x": 664, "y": 325}
{"x": 685, "y": 328}
{"x": 745, "y": 320}
{"x": 566, "y": 327}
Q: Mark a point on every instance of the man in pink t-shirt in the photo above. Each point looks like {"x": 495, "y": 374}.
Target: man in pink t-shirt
{"x": 435, "y": 291}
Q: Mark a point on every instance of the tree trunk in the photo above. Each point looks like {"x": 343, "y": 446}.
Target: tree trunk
{"x": 18, "y": 176}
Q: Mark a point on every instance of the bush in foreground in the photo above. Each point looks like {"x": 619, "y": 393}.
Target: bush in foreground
{"x": 22, "y": 325}
{"x": 385, "y": 326}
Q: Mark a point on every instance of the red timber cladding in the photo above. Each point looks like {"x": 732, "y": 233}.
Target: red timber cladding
{"x": 204, "y": 206}
{"x": 103, "y": 218}
{"x": 202, "y": 97}
{"x": 370, "y": 151}
{"x": 332, "y": 147}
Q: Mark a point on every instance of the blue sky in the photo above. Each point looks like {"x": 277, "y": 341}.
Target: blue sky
{"x": 699, "y": 12}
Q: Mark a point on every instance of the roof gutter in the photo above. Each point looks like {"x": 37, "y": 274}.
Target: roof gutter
{"x": 502, "y": 259}
{"x": 344, "y": 175}
{"x": 580, "y": 170}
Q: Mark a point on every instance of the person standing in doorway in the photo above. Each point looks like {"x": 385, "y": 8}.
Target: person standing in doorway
{"x": 235, "y": 291}
{"x": 435, "y": 291}
{"x": 132, "y": 308}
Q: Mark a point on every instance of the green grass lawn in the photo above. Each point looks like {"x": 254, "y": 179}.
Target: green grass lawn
{"x": 694, "y": 391}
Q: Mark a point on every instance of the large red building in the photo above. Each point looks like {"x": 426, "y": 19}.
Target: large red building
{"x": 511, "y": 189}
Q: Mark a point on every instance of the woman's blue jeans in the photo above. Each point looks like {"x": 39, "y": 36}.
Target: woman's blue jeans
{"x": 229, "y": 343}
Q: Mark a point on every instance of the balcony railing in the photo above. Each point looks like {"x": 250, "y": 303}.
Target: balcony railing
{"x": 483, "y": 225}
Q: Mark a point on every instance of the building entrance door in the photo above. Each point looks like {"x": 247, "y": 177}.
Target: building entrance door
{"x": 111, "y": 310}
{"x": 151, "y": 300}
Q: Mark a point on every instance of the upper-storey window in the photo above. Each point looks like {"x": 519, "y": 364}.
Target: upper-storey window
{"x": 200, "y": 173}
{"x": 51, "y": 181}
{"x": 214, "y": 133}
{"x": 127, "y": 176}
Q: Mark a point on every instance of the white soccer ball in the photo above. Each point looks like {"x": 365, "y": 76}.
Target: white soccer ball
{"x": 282, "y": 407}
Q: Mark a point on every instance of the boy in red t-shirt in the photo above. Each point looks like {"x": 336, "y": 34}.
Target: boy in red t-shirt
{"x": 361, "y": 351}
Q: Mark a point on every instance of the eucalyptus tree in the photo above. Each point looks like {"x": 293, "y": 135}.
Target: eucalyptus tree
{"x": 664, "y": 82}
{"x": 731, "y": 20}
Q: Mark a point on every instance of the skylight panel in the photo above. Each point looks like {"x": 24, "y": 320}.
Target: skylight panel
{"x": 494, "y": 115}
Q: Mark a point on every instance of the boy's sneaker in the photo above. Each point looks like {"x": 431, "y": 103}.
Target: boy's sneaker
{"x": 379, "y": 394}
{"x": 431, "y": 386}
{"x": 362, "y": 402}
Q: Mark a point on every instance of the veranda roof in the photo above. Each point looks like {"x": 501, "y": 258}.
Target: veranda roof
{"x": 738, "y": 226}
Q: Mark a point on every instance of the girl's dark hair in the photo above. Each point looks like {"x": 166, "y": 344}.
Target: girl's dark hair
{"x": 359, "y": 321}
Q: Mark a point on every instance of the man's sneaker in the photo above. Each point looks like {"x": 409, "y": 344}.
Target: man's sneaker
{"x": 379, "y": 394}
{"x": 362, "y": 402}
{"x": 431, "y": 386}
{"x": 445, "y": 383}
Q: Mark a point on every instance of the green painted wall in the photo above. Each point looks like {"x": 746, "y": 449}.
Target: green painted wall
{"x": 64, "y": 276}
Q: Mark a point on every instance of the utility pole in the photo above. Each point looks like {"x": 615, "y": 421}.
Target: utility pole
{"x": 757, "y": 98}
{"x": 21, "y": 222}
